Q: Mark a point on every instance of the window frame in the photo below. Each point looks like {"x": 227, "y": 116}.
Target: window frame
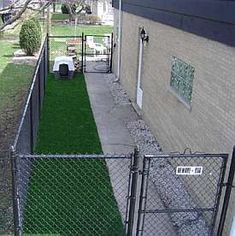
{"x": 182, "y": 78}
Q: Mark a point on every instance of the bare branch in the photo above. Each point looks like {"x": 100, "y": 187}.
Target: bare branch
{"x": 20, "y": 7}
{"x": 16, "y": 17}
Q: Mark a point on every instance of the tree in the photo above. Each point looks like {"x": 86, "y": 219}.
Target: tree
{"x": 75, "y": 7}
{"x": 18, "y": 8}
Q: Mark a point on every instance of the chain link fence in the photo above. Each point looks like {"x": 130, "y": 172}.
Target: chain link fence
{"x": 6, "y": 210}
{"x": 27, "y": 131}
{"x": 72, "y": 195}
{"x": 180, "y": 195}
{"x": 98, "y": 194}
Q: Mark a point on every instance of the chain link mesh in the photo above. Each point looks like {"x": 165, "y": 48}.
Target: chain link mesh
{"x": 28, "y": 125}
{"x": 6, "y": 212}
{"x": 72, "y": 195}
{"x": 179, "y": 199}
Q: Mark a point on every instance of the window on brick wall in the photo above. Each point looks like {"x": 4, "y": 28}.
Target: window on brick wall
{"x": 182, "y": 75}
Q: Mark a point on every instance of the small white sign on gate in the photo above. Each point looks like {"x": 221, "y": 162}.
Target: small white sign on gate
{"x": 189, "y": 170}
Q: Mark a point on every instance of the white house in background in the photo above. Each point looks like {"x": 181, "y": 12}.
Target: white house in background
{"x": 103, "y": 9}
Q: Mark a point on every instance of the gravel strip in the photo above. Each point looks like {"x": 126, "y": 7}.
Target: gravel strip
{"x": 119, "y": 94}
{"x": 171, "y": 190}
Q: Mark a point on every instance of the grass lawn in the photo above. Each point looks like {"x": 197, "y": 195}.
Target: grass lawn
{"x": 59, "y": 17}
{"x": 14, "y": 84}
{"x": 69, "y": 30}
{"x": 67, "y": 196}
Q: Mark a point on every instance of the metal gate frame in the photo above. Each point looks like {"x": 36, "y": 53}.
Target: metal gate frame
{"x": 107, "y": 54}
{"x": 84, "y": 54}
{"x": 145, "y": 180}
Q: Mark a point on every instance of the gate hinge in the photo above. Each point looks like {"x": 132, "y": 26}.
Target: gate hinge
{"x": 227, "y": 184}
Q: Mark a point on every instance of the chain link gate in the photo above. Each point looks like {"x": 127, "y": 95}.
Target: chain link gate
{"x": 90, "y": 53}
{"x": 180, "y": 194}
{"x": 98, "y": 53}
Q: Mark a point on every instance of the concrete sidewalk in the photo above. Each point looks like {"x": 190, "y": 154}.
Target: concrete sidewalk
{"x": 110, "y": 117}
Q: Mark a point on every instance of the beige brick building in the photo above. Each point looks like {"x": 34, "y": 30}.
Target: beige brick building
{"x": 204, "y": 121}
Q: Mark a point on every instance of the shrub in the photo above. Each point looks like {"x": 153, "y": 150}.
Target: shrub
{"x": 29, "y": 37}
{"x": 37, "y": 23}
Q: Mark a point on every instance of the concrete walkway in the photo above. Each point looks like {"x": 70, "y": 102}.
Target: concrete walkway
{"x": 110, "y": 118}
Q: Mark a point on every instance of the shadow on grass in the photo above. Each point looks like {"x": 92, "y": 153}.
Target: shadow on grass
{"x": 14, "y": 83}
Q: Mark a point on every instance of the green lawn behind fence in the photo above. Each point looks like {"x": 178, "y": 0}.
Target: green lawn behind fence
{"x": 69, "y": 197}
{"x": 70, "y": 30}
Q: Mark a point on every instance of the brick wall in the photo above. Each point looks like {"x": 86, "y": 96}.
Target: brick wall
{"x": 210, "y": 125}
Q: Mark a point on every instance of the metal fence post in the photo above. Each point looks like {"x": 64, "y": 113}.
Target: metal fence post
{"x": 47, "y": 53}
{"x": 229, "y": 186}
{"x": 135, "y": 173}
{"x": 39, "y": 91}
{"x": 31, "y": 123}
{"x": 82, "y": 66}
{"x": 15, "y": 196}
{"x": 111, "y": 56}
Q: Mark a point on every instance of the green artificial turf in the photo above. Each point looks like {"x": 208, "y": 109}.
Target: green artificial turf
{"x": 69, "y": 196}
{"x": 67, "y": 124}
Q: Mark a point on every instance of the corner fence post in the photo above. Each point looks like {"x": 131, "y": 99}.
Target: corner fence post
{"x": 227, "y": 195}
{"x": 15, "y": 196}
{"x": 135, "y": 172}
